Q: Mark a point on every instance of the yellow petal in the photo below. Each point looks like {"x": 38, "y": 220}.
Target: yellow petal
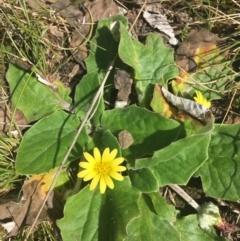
{"x": 83, "y": 173}
{"x": 85, "y": 165}
{"x": 207, "y": 104}
{"x": 199, "y": 95}
{"x": 119, "y": 169}
{"x": 89, "y": 176}
{"x": 102, "y": 185}
{"x": 89, "y": 157}
{"x": 116, "y": 161}
{"x": 116, "y": 175}
{"x": 113, "y": 154}
{"x": 97, "y": 155}
{"x": 109, "y": 181}
{"x": 94, "y": 182}
{"x": 201, "y": 100}
{"x": 105, "y": 155}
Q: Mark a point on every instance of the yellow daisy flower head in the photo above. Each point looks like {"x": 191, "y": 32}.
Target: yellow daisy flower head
{"x": 201, "y": 100}
{"x": 101, "y": 168}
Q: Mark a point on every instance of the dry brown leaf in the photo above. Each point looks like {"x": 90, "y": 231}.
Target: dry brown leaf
{"x": 24, "y": 212}
{"x": 80, "y": 19}
{"x": 74, "y": 71}
{"x": 5, "y": 119}
{"x": 102, "y": 9}
{"x": 192, "y": 107}
{"x": 125, "y": 139}
{"x": 196, "y": 39}
{"x": 123, "y": 83}
{"x": 54, "y": 30}
{"x": 233, "y": 118}
{"x": 160, "y": 22}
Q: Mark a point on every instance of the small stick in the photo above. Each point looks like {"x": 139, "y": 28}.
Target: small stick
{"x": 229, "y": 106}
{"x": 98, "y": 94}
{"x": 138, "y": 16}
{"x": 184, "y": 195}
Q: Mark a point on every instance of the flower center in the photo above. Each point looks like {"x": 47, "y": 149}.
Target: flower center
{"x": 102, "y": 168}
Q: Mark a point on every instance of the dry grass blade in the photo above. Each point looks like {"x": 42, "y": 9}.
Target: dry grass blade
{"x": 184, "y": 195}
{"x": 94, "y": 101}
{"x": 229, "y": 107}
{"x": 138, "y": 15}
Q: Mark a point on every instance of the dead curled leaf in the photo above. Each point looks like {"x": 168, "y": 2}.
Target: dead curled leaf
{"x": 193, "y": 108}
{"x": 199, "y": 55}
{"x": 161, "y": 105}
{"x": 159, "y": 21}
{"x": 23, "y": 213}
{"x": 196, "y": 39}
{"x": 6, "y": 116}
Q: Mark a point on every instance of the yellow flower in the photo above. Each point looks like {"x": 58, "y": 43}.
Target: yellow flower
{"x": 101, "y": 168}
{"x": 201, "y": 100}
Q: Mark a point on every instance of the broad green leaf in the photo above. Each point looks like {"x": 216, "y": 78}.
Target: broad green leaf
{"x": 63, "y": 91}
{"x": 152, "y": 63}
{"x": 103, "y": 47}
{"x": 190, "y": 125}
{"x": 173, "y": 164}
{"x": 220, "y": 173}
{"x": 81, "y": 216}
{"x": 189, "y": 230}
{"x": 91, "y": 216}
{"x": 33, "y": 98}
{"x": 85, "y": 92}
{"x": 149, "y": 130}
{"x": 45, "y": 144}
{"x": 150, "y": 226}
{"x": 144, "y": 179}
{"x": 161, "y": 207}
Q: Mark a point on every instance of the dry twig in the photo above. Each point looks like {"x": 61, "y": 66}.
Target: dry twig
{"x": 94, "y": 101}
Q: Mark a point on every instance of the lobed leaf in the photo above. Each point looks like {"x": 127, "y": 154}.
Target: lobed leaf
{"x": 152, "y": 63}
{"x": 173, "y": 164}
{"x": 103, "y": 47}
